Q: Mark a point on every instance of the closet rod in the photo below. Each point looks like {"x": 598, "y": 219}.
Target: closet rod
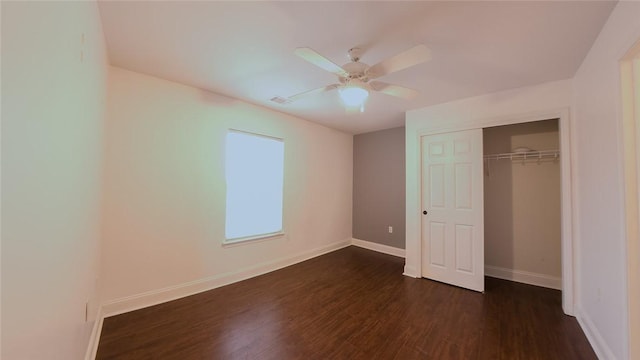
{"x": 528, "y": 155}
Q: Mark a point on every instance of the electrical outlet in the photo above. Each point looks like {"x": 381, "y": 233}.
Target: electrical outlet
{"x": 90, "y": 310}
{"x": 86, "y": 311}
{"x": 390, "y": 229}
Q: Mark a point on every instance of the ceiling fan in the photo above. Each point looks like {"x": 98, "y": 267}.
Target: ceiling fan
{"x": 355, "y": 77}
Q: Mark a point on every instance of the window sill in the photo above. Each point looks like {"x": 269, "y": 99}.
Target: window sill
{"x": 251, "y": 239}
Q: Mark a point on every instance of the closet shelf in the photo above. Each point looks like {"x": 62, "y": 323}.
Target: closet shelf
{"x": 527, "y": 155}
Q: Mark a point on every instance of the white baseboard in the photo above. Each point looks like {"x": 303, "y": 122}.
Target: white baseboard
{"x": 410, "y": 272}
{"x": 385, "y": 249}
{"x": 598, "y": 344}
{"x": 524, "y": 277}
{"x": 150, "y": 298}
{"x": 155, "y": 297}
{"x": 94, "y": 339}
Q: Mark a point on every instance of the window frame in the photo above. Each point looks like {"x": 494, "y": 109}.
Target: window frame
{"x": 257, "y": 237}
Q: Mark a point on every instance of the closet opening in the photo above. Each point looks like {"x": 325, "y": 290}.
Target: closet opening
{"x": 522, "y": 203}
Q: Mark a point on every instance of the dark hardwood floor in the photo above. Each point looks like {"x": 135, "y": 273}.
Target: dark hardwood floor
{"x": 350, "y": 304}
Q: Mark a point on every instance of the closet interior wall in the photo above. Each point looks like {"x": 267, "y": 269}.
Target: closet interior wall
{"x": 522, "y": 205}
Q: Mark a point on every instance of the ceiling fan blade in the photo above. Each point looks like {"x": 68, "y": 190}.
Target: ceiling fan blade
{"x": 393, "y": 90}
{"x": 295, "y": 97}
{"x": 318, "y": 60}
{"x": 414, "y": 56}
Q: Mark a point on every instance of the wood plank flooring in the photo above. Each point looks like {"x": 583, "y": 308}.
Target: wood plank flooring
{"x": 350, "y": 304}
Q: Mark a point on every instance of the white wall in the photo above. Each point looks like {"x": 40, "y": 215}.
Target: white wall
{"x": 522, "y": 203}
{"x": 481, "y": 111}
{"x": 598, "y": 140}
{"x": 53, "y": 95}
{"x": 165, "y": 194}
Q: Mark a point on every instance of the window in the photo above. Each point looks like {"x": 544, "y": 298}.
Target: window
{"x": 254, "y": 170}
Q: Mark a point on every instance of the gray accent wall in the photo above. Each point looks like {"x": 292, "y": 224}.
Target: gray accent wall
{"x": 379, "y": 187}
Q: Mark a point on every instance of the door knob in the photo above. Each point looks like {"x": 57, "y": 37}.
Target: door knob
{"x": 425, "y": 212}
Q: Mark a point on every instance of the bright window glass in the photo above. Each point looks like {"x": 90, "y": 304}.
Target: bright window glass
{"x": 254, "y": 171}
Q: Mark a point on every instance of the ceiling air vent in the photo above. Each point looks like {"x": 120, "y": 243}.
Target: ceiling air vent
{"x": 280, "y": 100}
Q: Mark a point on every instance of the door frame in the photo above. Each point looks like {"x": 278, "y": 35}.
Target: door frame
{"x": 413, "y": 264}
{"x": 630, "y": 130}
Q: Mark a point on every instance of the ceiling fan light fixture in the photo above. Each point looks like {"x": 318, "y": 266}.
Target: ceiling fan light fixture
{"x": 353, "y": 95}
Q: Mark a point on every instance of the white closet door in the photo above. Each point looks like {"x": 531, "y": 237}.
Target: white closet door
{"x": 452, "y": 205}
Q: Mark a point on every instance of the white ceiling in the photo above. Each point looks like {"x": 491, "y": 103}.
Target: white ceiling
{"x": 245, "y": 49}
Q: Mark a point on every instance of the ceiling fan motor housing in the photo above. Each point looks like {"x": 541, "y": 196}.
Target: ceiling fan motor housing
{"x": 356, "y": 70}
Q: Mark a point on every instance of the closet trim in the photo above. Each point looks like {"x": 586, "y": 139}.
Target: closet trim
{"x": 413, "y": 266}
